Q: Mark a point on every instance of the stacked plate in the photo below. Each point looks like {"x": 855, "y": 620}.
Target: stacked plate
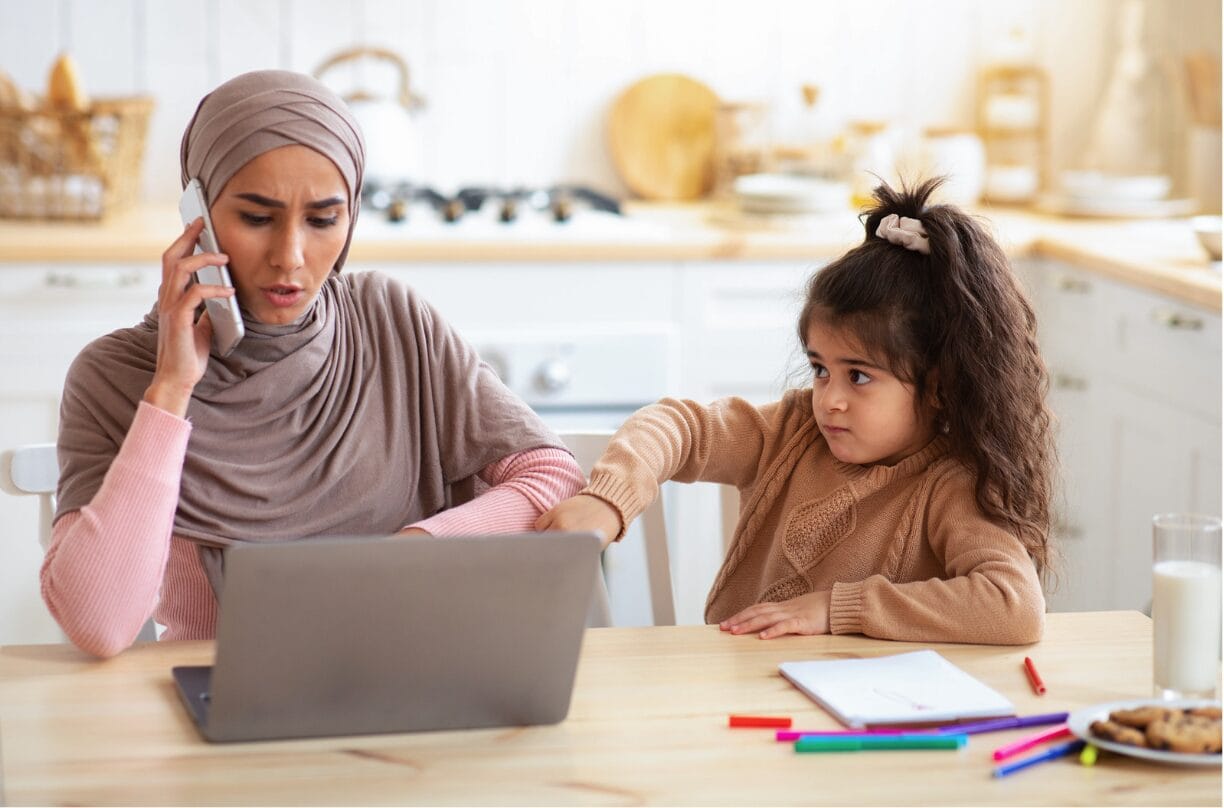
{"x": 1092, "y": 193}
{"x": 789, "y": 195}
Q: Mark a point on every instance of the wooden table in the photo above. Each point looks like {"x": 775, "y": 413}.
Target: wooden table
{"x": 647, "y": 726}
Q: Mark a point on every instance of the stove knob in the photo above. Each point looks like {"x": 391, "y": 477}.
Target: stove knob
{"x": 397, "y": 211}
{"x": 509, "y": 210}
{"x": 562, "y": 209}
{"x": 452, "y": 210}
{"x": 553, "y": 376}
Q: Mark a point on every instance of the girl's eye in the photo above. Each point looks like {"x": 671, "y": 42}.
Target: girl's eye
{"x": 251, "y": 218}
{"x": 321, "y": 223}
{"x": 820, "y": 370}
{"x": 859, "y": 377}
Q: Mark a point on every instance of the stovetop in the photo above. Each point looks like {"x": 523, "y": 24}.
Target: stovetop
{"x": 558, "y": 204}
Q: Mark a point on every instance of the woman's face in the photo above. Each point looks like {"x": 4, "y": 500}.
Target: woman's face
{"x": 282, "y": 219}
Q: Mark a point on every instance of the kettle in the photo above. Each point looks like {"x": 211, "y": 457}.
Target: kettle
{"x": 386, "y": 123}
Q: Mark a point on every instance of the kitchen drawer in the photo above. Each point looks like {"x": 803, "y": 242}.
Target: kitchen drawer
{"x": 1162, "y": 348}
{"x": 1068, "y": 306}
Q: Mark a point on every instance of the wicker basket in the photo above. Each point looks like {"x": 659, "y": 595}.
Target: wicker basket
{"x": 60, "y": 164}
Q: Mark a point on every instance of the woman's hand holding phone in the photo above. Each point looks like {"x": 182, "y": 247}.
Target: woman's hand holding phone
{"x": 182, "y": 341}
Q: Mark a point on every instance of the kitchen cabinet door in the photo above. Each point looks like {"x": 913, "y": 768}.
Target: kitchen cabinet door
{"x": 1135, "y": 385}
{"x": 47, "y": 315}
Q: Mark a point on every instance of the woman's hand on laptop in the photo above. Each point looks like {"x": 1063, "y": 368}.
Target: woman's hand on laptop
{"x": 583, "y": 513}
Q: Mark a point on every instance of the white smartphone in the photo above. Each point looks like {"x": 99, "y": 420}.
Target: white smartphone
{"x": 222, "y": 311}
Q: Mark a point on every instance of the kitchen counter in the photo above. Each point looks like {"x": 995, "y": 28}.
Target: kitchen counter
{"x": 1162, "y": 256}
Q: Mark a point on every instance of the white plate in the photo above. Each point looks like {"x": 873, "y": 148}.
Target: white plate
{"x": 1063, "y": 205}
{"x": 1079, "y": 721}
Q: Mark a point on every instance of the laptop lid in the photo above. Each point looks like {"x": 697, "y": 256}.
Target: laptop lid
{"x": 353, "y": 636}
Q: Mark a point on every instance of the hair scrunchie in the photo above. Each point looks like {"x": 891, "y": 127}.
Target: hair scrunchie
{"x": 907, "y": 233}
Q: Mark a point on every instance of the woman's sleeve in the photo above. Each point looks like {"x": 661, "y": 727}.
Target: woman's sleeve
{"x": 679, "y": 440}
{"x": 103, "y": 571}
{"x": 524, "y": 485}
{"x": 991, "y": 595}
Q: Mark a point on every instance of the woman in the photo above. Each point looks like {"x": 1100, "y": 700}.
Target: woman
{"x": 350, "y": 406}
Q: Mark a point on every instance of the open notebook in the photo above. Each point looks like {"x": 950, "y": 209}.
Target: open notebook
{"x": 915, "y": 688}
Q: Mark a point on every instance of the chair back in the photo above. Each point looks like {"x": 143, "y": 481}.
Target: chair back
{"x": 587, "y": 447}
{"x": 33, "y": 470}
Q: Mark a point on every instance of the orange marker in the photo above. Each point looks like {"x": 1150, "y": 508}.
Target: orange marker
{"x": 1034, "y": 678}
{"x": 780, "y": 722}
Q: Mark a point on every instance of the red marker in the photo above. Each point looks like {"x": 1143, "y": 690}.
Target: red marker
{"x": 759, "y": 721}
{"x": 1034, "y": 678}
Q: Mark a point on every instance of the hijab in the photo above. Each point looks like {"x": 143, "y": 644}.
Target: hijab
{"x": 366, "y": 414}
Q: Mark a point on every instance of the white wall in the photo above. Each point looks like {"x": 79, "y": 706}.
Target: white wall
{"x": 518, "y": 89}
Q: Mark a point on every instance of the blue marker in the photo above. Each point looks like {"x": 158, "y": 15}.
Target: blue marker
{"x": 1062, "y": 750}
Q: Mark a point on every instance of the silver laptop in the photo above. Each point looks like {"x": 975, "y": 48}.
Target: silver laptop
{"x": 353, "y": 636}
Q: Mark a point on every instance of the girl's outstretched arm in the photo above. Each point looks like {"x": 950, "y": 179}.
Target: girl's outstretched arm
{"x": 672, "y": 439}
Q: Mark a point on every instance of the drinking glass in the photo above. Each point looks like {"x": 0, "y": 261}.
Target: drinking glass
{"x": 1186, "y": 605}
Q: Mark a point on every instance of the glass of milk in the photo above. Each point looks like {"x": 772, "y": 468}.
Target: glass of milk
{"x": 1186, "y": 605}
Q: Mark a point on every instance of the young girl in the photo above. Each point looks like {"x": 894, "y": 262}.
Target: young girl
{"x": 906, "y": 494}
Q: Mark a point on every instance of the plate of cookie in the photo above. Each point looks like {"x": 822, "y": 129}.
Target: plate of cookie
{"x": 1185, "y": 732}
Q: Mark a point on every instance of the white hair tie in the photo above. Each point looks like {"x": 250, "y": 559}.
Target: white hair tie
{"x": 907, "y": 233}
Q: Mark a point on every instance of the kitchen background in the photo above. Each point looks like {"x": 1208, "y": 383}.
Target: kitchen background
{"x": 590, "y": 314}
{"x": 518, "y": 92}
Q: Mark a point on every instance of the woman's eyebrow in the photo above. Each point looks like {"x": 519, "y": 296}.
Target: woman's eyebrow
{"x": 268, "y": 202}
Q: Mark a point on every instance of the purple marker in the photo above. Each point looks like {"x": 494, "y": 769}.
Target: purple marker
{"x": 1004, "y": 723}
{"x": 794, "y": 735}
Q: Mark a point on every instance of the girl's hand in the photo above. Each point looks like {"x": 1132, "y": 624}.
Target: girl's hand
{"x": 806, "y": 614}
{"x": 581, "y": 513}
{"x": 182, "y": 342}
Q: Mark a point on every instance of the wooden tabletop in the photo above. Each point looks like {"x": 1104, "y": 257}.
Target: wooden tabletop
{"x": 647, "y": 726}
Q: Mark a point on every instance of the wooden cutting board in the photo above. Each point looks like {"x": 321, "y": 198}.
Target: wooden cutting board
{"x": 661, "y": 134}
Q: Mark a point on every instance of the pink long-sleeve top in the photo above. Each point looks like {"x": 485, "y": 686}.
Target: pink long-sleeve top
{"x": 116, "y": 562}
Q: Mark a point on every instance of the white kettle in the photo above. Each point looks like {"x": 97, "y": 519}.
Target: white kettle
{"x": 392, "y": 148}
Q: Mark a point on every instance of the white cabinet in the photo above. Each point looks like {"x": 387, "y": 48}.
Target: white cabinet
{"x": 1135, "y": 383}
{"x": 46, "y": 316}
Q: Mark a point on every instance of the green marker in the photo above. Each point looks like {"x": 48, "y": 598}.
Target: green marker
{"x": 813, "y": 743}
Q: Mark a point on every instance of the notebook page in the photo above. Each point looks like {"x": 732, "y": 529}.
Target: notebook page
{"x": 917, "y": 687}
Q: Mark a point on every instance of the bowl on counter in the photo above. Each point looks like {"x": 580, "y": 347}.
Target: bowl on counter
{"x": 1207, "y": 228}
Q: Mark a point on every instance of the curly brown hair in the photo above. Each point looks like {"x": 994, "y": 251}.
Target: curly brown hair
{"x": 957, "y": 325}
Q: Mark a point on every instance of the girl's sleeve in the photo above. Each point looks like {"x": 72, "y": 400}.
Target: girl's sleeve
{"x": 991, "y": 596}
{"x": 102, "y": 573}
{"x": 523, "y": 486}
{"x": 681, "y": 440}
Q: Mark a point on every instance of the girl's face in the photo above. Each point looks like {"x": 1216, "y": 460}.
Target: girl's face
{"x": 867, "y": 415}
{"x": 282, "y": 219}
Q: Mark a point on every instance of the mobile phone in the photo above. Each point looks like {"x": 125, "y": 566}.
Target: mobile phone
{"x": 222, "y": 311}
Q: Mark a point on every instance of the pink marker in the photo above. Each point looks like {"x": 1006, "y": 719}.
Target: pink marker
{"x": 1007, "y": 750}
{"x": 794, "y": 735}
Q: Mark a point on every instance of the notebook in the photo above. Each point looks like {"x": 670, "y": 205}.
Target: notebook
{"x": 366, "y": 635}
{"x": 915, "y": 688}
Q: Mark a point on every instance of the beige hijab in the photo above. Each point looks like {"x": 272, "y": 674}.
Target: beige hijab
{"x": 365, "y": 415}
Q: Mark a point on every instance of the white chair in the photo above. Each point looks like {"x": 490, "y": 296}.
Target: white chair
{"x": 587, "y": 447}
{"x": 34, "y": 470}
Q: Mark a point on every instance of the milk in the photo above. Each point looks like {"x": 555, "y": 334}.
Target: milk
{"x": 1186, "y": 627}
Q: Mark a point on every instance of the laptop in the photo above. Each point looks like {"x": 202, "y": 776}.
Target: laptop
{"x": 324, "y": 637}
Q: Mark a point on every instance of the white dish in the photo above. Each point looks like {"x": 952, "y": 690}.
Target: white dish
{"x": 1093, "y": 185}
{"x": 786, "y": 193}
{"x": 1115, "y": 208}
{"x": 1207, "y": 228}
{"x": 1080, "y": 720}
